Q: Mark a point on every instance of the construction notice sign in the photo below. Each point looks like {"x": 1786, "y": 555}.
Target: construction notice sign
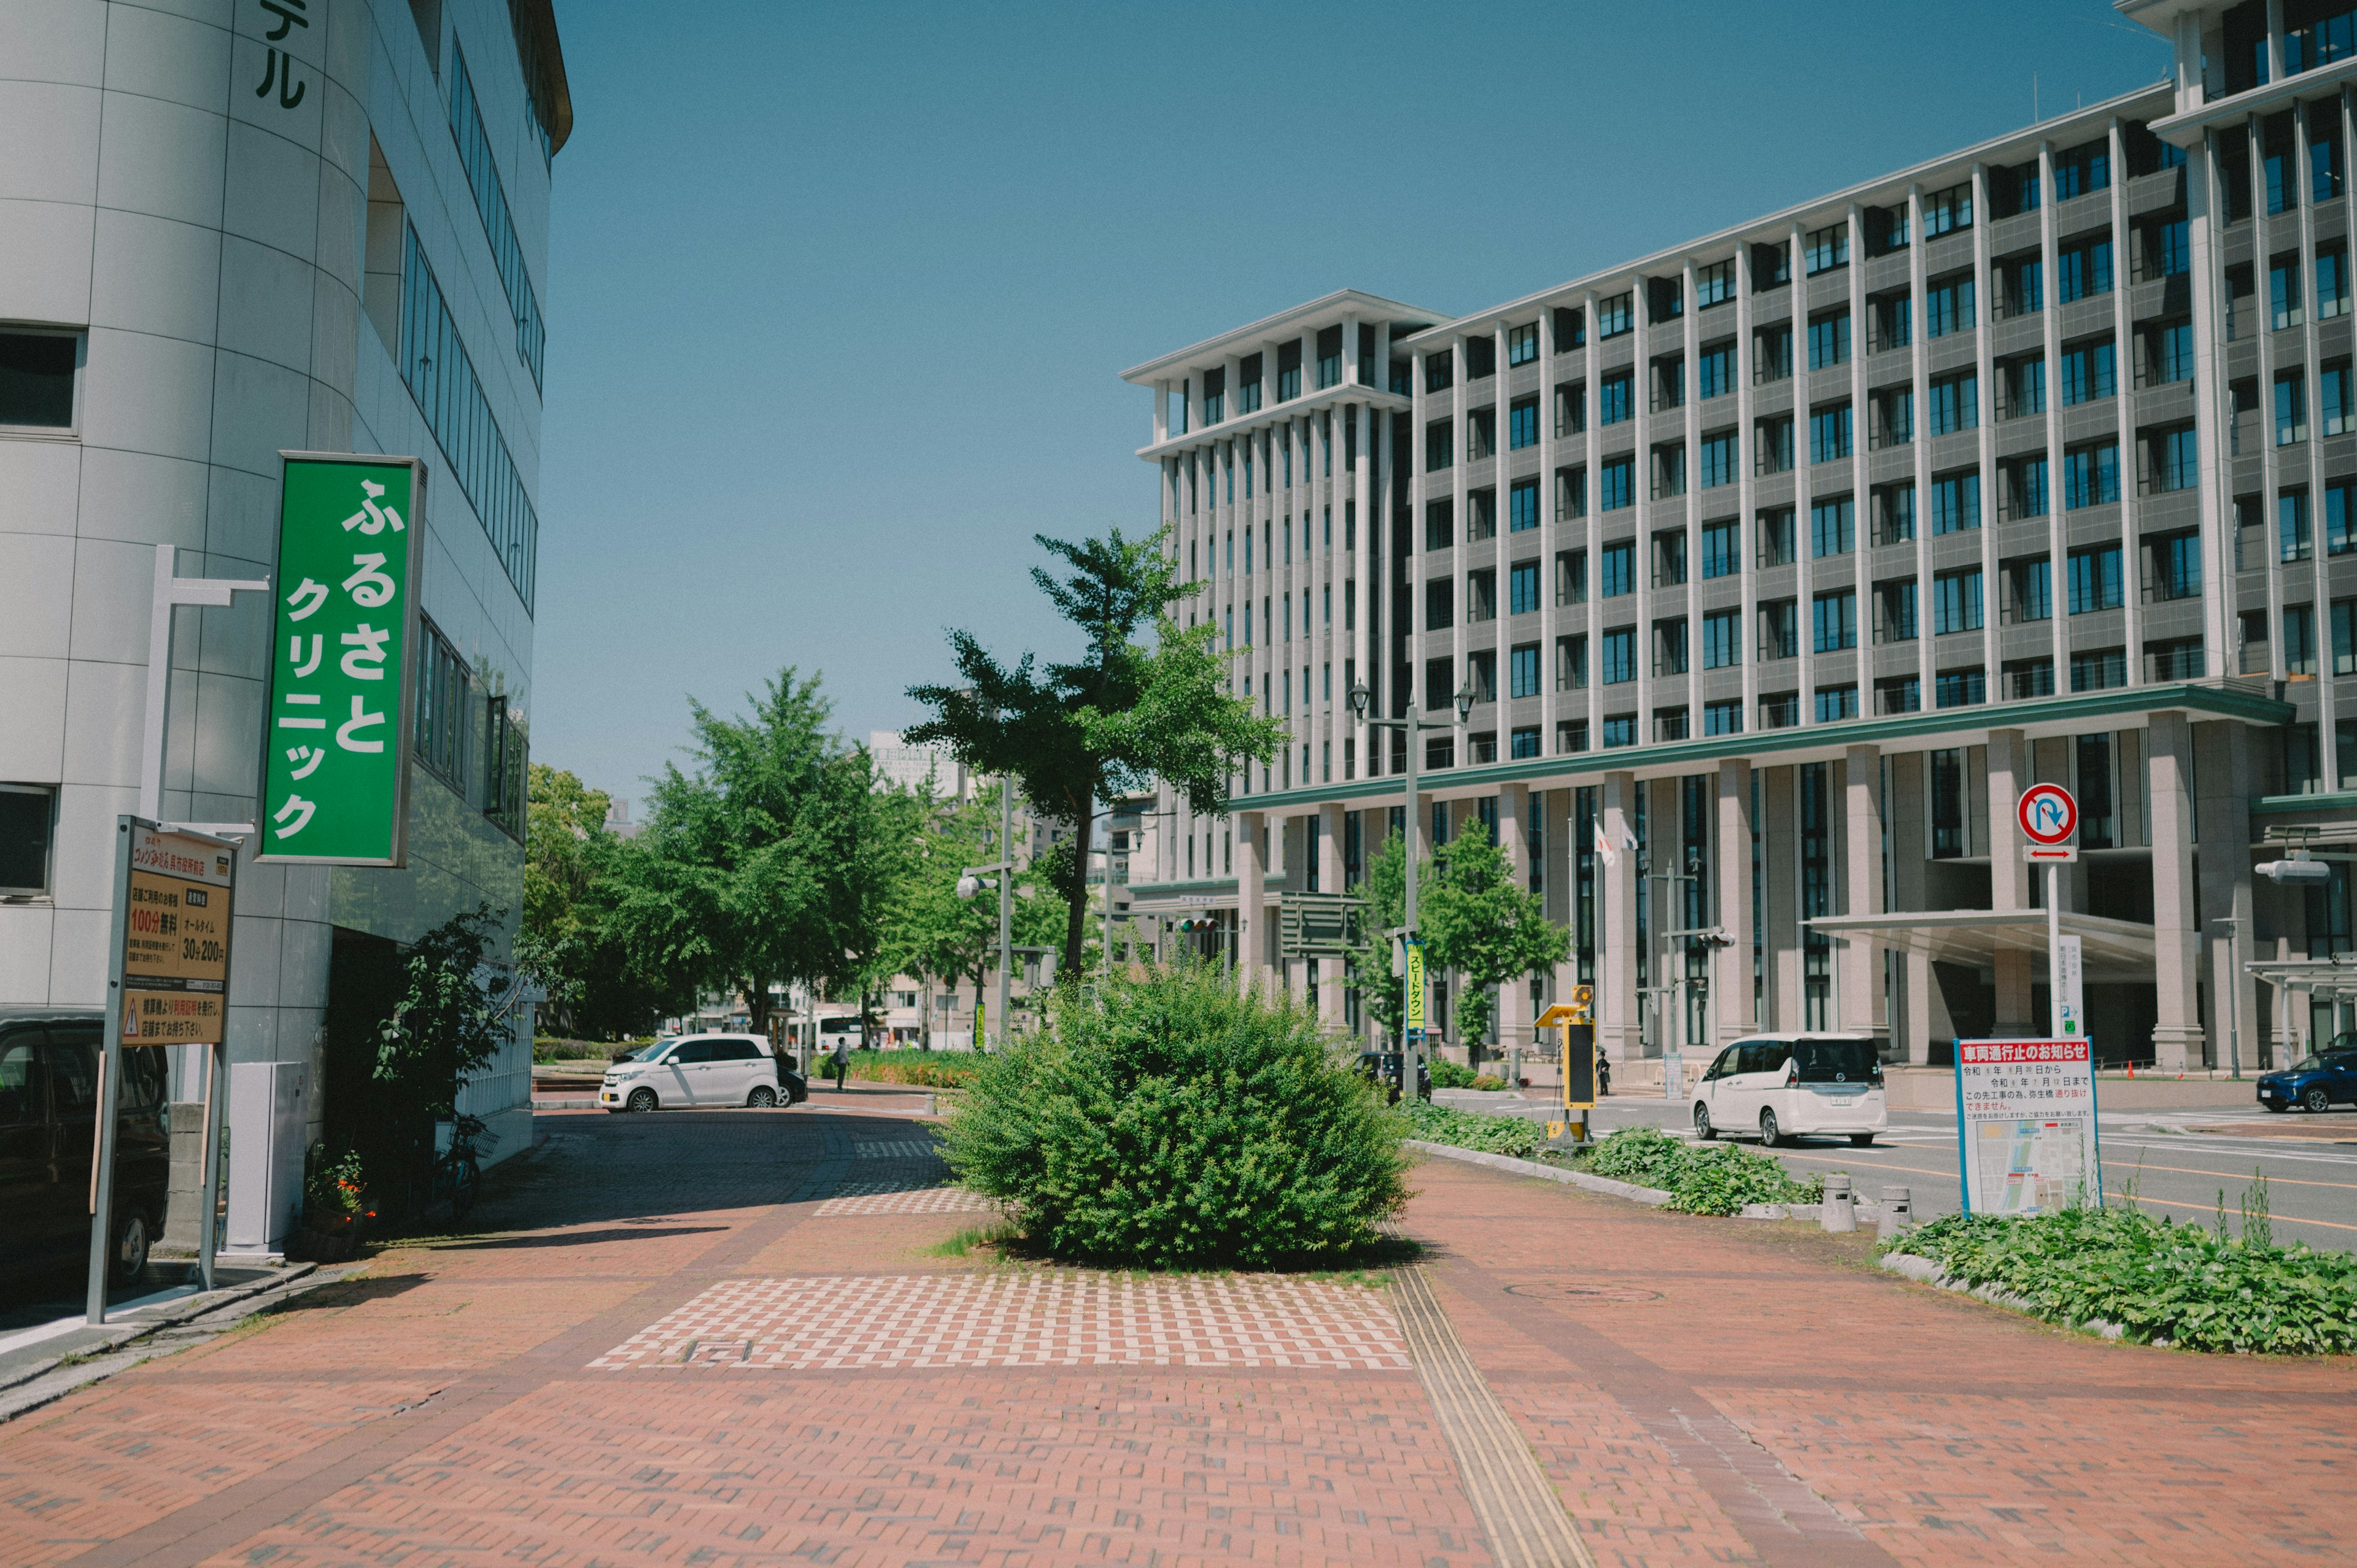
{"x": 173, "y": 968}
{"x": 2026, "y": 1125}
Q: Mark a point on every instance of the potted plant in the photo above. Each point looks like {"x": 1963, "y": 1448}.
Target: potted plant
{"x": 335, "y": 1205}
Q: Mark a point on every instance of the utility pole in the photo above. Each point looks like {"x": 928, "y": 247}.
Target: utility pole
{"x": 973, "y": 878}
{"x": 1412, "y": 1042}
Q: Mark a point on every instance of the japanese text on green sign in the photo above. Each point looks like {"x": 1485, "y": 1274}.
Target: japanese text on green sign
{"x": 1416, "y": 985}
{"x": 336, "y": 737}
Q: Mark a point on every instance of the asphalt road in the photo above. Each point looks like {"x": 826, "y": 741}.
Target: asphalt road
{"x": 2173, "y": 1163}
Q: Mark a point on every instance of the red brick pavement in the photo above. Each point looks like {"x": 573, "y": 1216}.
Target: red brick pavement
{"x": 1741, "y": 1394}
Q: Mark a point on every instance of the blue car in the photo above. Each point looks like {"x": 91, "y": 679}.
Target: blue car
{"x": 2315, "y": 1083}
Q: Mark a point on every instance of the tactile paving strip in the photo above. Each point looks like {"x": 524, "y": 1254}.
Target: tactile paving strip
{"x": 1048, "y": 1319}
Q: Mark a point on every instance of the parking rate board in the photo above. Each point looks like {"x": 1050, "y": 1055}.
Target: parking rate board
{"x": 343, "y": 661}
{"x": 2026, "y": 1125}
{"x": 175, "y": 928}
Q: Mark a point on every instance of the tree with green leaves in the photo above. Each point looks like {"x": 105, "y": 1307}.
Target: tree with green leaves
{"x": 1120, "y": 716}
{"x": 1474, "y": 922}
{"x": 567, "y": 941}
{"x": 452, "y": 1018}
{"x": 772, "y": 863}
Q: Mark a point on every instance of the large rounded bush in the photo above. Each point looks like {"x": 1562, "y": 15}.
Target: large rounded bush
{"x": 1170, "y": 1121}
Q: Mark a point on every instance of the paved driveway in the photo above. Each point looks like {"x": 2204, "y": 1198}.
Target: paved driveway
{"x": 735, "y": 1337}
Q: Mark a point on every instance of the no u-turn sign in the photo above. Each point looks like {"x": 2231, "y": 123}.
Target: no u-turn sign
{"x": 2048, "y": 818}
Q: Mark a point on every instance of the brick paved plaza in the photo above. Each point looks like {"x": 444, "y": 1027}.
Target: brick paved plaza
{"x": 732, "y": 1339}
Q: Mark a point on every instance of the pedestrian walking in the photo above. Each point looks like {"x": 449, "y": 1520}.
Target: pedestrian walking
{"x": 1603, "y": 1074}
{"x": 841, "y": 1064}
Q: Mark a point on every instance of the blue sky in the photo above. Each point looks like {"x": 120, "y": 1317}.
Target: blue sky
{"x": 839, "y": 295}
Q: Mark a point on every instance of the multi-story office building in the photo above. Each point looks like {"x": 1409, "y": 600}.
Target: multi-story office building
{"x": 1778, "y": 564}
{"x": 228, "y": 229}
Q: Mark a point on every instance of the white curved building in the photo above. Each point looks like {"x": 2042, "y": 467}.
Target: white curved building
{"x": 229, "y": 228}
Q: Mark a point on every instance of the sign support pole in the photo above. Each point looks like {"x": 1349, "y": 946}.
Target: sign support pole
{"x": 110, "y": 1046}
{"x": 2054, "y": 949}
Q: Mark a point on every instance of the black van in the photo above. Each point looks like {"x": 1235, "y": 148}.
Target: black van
{"x": 48, "y": 1119}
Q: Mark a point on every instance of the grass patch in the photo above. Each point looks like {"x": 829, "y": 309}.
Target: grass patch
{"x": 921, "y": 1070}
{"x": 1467, "y": 1130}
{"x": 1717, "y": 1178}
{"x": 971, "y": 1237}
{"x": 2164, "y": 1284}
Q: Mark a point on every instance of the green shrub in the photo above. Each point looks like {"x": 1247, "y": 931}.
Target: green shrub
{"x": 1447, "y": 1074}
{"x": 1718, "y": 1179}
{"x": 1171, "y": 1121}
{"x": 1464, "y": 1130}
{"x": 1488, "y": 1080}
{"x": 926, "y": 1069}
{"x": 2182, "y": 1284}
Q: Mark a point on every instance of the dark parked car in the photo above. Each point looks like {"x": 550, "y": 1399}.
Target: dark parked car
{"x": 49, "y": 1120}
{"x": 1384, "y": 1067}
{"x": 2314, "y": 1083}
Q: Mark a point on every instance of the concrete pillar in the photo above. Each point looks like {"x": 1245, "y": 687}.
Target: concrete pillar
{"x": 1616, "y": 935}
{"x": 1330, "y": 880}
{"x": 2008, "y": 776}
{"x": 1781, "y": 848}
{"x": 1730, "y": 980}
{"x": 1909, "y": 842}
{"x": 2177, "y": 1040}
{"x": 1252, "y": 911}
{"x": 1860, "y": 961}
{"x": 1515, "y": 1013}
{"x": 2222, "y": 815}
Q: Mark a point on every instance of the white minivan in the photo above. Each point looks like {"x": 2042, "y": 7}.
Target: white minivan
{"x": 1783, "y": 1085}
{"x": 695, "y": 1069}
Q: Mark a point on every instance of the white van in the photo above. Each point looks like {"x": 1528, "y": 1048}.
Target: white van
{"x": 697, "y": 1069}
{"x": 1784, "y": 1085}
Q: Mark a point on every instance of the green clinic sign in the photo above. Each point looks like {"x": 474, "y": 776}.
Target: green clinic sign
{"x": 335, "y": 742}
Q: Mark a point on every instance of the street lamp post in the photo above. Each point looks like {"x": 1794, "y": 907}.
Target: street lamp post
{"x": 1359, "y": 699}
{"x": 971, "y": 880}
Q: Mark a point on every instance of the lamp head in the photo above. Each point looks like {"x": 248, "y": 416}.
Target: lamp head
{"x": 1359, "y": 697}
{"x": 1465, "y": 701}
{"x": 968, "y": 886}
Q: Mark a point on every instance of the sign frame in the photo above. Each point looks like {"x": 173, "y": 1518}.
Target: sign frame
{"x": 404, "y": 741}
{"x": 2076, "y": 1053}
{"x": 127, "y": 829}
{"x": 2024, "y": 811}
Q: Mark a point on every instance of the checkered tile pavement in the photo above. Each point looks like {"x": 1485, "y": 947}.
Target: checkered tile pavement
{"x": 919, "y": 1149}
{"x": 905, "y": 1198}
{"x": 1047, "y": 1319}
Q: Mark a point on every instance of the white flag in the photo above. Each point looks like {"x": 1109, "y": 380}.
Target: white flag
{"x": 1604, "y": 850}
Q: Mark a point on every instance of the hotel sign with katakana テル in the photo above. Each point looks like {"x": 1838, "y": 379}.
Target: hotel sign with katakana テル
{"x": 335, "y": 745}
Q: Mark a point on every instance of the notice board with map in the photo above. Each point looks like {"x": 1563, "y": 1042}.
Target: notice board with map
{"x": 2026, "y": 1125}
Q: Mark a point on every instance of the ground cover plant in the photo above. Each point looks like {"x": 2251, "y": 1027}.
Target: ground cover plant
{"x": 1717, "y": 1179}
{"x": 926, "y": 1069}
{"x": 1465, "y": 1130}
{"x": 1166, "y": 1120}
{"x": 2162, "y": 1282}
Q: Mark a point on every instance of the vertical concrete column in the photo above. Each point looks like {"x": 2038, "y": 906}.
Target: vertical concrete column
{"x": 1730, "y": 980}
{"x": 1514, "y": 837}
{"x": 1616, "y": 935}
{"x": 1252, "y": 913}
{"x": 1861, "y": 959}
{"x": 2176, "y": 897}
{"x": 1910, "y": 842}
{"x": 1780, "y": 849}
{"x": 1330, "y": 880}
{"x": 2008, "y": 776}
{"x": 2222, "y": 812}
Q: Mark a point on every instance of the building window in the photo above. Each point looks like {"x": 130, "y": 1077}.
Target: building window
{"x": 1823, "y": 250}
{"x": 2083, "y": 170}
{"x": 2024, "y": 482}
{"x": 1669, "y": 559}
{"x": 1621, "y": 730}
{"x": 2021, "y": 284}
{"x": 1612, "y": 405}
{"x": 1620, "y": 657}
{"x": 1898, "y": 694}
{"x": 2292, "y": 540}
{"x": 1329, "y": 356}
{"x": 1896, "y": 604}
{"x": 1829, "y": 434}
{"x": 1440, "y": 608}
{"x": 2332, "y": 282}
{"x": 1570, "y": 494}
{"x": 1955, "y": 403}
{"x": 1523, "y": 424}
{"x": 1722, "y": 635}
{"x": 1719, "y": 459}
{"x": 499, "y": 228}
{"x": 2291, "y": 410}
{"x": 2023, "y": 384}
{"x": 1835, "y": 617}
{"x": 1894, "y": 513}
{"x": 2168, "y": 353}
{"x": 1619, "y": 484}
{"x": 1615, "y": 316}
{"x": 1892, "y": 321}
{"x": 1571, "y": 409}
{"x": 1437, "y": 454}
{"x": 445, "y": 708}
{"x": 1522, "y": 587}
{"x": 1780, "y": 630}
{"x": 1956, "y": 601}
{"x": 28, "y": 815}
{"x": 2332, "y": 386}
{"x": 1571, "y": 663}
{"x": 1894, "y": 418}
{"x": 1956, "y": 503}
{"x": 1949, "y": 306}
{"x": 1780, "y": 710}
{"x": 1832, "y": 529}
{"x": 1835, "y": 704}
{"x": 1619, "y": 569}
{"x": 2181, "y": 659}
{"x": 1772, "y": 445}
{"x": 2177, "y": 567}
{"x": 2094, "y": 579}
{"x": 1771, "y": 267}
{"x": 1772, "y": 355}
{"x": 2026, "y": 678}
{"x": 1777, "y": 537}
{"x": 1571, "y": 578}
{"x": 2099, "y": 671}
{"x": 1829, "y": 340}
{"x": 2032, "y": 582}
{"x": 2176, "y": 459}
{"x": 1670, "y": 647}
{"x": 1481, "y": 675}
{"x": 1722, "y": 549}
{"x": 1522, "y": 672}
{"x": 2340, "y": 519}
{"x": 1522, "y": 506}
{"x": 1722, "y": 718}
{"x": 2086, "y": 269}
{"x": 1481, "y": 434}
{"x": 1715, "y": 371}
{"x": 1715, "y": 284}
{"x": 1960, "y": 689}
{"x": 1945, "y": 211}
{"x": 2088, "y": 372}
{"x": 1440, "y": 370}
{"x": 1215, "y": 398}
{"x": 2091, "y": 476}
{"x": 37, "y": 378}
{"x": 1523, "y": 743}
{"x": 1570, "y": 330}
{"x": 1480, "y": 515}
{"x": 1439, "y": 524}
{"x": 1522, "y": 344}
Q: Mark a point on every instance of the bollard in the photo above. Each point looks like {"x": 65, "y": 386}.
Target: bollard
{"x": 1838, "y": 1212}
{"x": 1898, "y": 1213}
{"x": 931, "y": 1104}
